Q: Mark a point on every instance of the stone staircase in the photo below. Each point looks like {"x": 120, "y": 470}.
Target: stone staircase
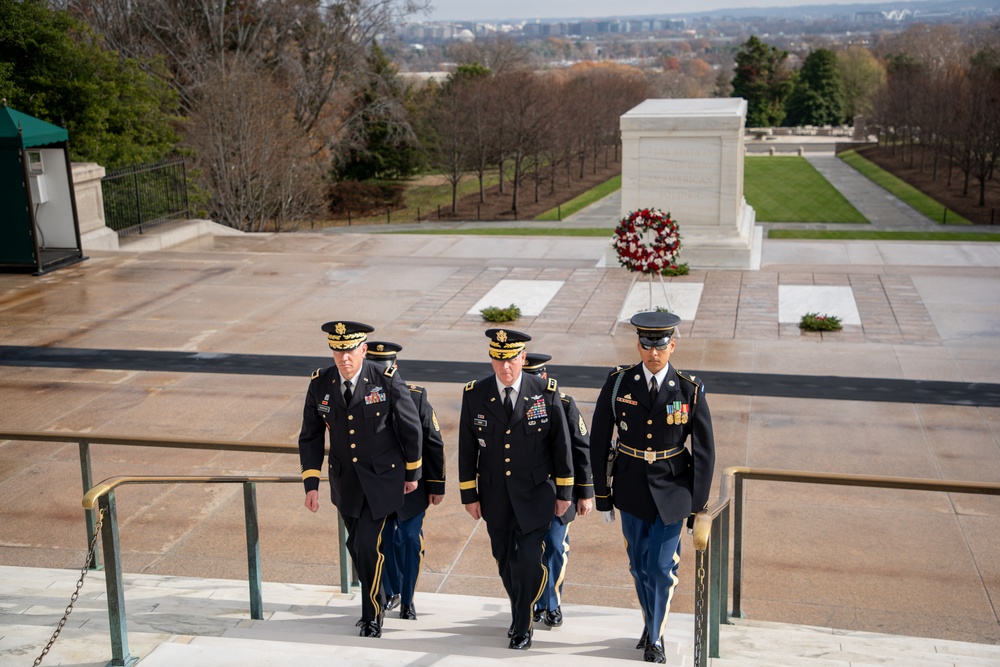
{"x": 184, "y": 621}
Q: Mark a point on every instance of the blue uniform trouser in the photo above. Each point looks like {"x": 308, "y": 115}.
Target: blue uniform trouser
{"x": 555, "y": 558}
{"x": 653, "y": 556}
{"x": 403, "y": 560}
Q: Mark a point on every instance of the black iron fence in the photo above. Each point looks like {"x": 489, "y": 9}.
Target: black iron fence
{"x": 139, "y": 197}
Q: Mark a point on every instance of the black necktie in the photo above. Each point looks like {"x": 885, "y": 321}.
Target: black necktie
{"x": 507, "y": 405}
{"x": 347, "y": 392}
{"x": 654, "y": 388}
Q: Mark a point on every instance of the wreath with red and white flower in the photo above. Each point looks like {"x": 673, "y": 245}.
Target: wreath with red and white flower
{"x": 637, "y": 255}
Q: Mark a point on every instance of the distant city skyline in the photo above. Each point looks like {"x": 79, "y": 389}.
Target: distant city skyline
{"x": 464, "y": 10}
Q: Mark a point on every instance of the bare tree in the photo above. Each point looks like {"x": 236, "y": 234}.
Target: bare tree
{"x": 250, "y": 153}
{"x": 311, "y": 51}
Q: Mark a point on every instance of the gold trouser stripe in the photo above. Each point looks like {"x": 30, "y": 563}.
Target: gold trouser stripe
{"x": 306, "y": 474}
{"x": 564, "y": 481}
{"x": 670, "y": 594}
{"x": 420, "y": 565}
{"x": 541, "y": 589}
{"x": 562, "y": 570}
{"x": 373, "y": 593}
{"x": 465, "y": 486}
{"x": 413, "y": 466}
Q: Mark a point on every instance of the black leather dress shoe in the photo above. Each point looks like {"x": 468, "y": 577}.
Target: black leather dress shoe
{"x": 643, "y": 640}
{"x": 654, "y": 652}
{"x": 537, "y": 616}
{"x": 520, "y": 642}
{"x": 371, "y": 629}
{"x": 553, "y": 619}
{"x": 392, "y": 602}
{"x": 360, "y": 622}
{"x": 408, "y": 612}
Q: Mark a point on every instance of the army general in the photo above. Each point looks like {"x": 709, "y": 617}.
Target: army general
{"x": 515, "y": 470}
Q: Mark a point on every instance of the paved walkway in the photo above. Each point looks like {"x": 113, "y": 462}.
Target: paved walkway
{"x": 917, "y": 564}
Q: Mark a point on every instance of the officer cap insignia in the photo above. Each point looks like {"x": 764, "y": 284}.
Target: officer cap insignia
{"x": 506, "y": 344}
{"x": 345, "y": 336}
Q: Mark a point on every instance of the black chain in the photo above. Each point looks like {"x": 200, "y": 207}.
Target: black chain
{"x": 699, "y": 611}
{"x": 76, "y": 593}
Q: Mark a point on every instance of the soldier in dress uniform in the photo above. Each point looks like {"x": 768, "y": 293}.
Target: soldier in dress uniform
{"x": 404, "y": 537}
{"x": 548, "y": 609}
{"x": 375, "y": 448}
{"x": 656, "y": 482}
{"x": 515, "y": 470}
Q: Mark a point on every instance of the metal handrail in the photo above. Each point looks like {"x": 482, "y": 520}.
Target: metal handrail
{"x": 102, "y": 498}
{"x": 84, "y": 440}
{"x": 711, "y": 536}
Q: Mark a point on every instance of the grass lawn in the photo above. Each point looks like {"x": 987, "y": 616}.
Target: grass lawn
{"x": 425, "y": 194}
{"x": 583, "y": 201}
{"x": 863, "y": 235}
{"x": 906, "y": 192}
{"x": 789, "y": 189}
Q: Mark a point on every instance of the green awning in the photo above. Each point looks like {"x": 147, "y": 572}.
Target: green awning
{"x": 19, "y": 130}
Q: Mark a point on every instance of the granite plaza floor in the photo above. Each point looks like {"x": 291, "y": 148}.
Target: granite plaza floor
{"x": 911, "y": 563}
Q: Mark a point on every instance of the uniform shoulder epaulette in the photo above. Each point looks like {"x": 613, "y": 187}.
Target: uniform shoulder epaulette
{"x": 619, "y": 369}
{"x": 416, "y": 388}
{"x": 468, "y": 387}
{"x": 690, "y": 378}
{"x": 389, "y": 372}
{"x": 316, "y": 373}
{"x": 553, "y": 385}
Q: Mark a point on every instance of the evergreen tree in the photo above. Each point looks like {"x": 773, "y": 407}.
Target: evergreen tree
{"x": 387, "y": 147}
{"x": 763, "y": 81}
{"x": 56, "y": 69}
{"x": 818, "y": 96}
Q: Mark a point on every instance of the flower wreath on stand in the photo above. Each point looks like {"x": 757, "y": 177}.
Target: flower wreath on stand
{"x": 658, "y": 254}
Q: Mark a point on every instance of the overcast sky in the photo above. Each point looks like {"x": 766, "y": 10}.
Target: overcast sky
{"x": 467, "y": 10}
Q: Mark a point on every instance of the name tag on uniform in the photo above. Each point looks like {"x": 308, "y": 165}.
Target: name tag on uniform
{"x": 323, "y": 408}
{"x": 479, "y": 422}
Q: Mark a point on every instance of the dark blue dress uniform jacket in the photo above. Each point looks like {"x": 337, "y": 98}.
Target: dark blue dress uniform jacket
{"x": 583, "y": 479}
{"x": 675, "y": 487}
{"x": 432, "y": 475}
{"x": 375, "y": 442}
{"x": 526, "y": 459}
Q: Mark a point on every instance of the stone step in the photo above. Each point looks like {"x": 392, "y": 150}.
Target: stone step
{"x": 183, "y": 620}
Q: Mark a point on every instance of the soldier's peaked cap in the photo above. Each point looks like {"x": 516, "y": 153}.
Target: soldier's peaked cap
{"x": 506, "y": 343}
{"x": 380, "y": 350}
{"x": 655, "y": 326}
{"x": 535, "y": 363}
{"x": 344, "y": 335}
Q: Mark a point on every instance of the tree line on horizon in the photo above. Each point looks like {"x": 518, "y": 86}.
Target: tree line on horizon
{"x": 277, "y": 104}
